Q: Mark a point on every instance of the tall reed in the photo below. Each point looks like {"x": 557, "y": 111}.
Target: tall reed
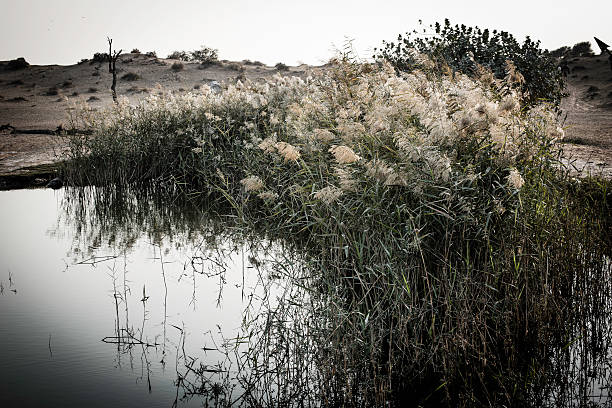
{"x": 450, "y": 256}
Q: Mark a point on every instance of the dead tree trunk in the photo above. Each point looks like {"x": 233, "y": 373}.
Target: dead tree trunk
{"x": 112, "y": 60}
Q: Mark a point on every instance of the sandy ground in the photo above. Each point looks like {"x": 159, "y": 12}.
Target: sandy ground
{"x": 38, "y": 98}
{"x": 588, "y": 124}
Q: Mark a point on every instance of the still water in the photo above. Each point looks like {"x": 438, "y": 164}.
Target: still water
{"x": 133, "y": 299}
{"x": 99, "y": 313}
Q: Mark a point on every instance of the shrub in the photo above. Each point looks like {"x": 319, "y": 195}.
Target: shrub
{"x": 179, "y": 55}
{"x": 135, "y": 89}
{"x": 151, "y": 54}
{"x": 560, "y": 52}
{"x": 281, "y": 67}
{"x": 461, "y": 48}
{"x": 582, "y": 49}
{"x": 204, "y": 55}
{"x": 135, "y": 51}
{"x": 100, "y": 57}
{"x": 177, "y": 66}
{"x": 235, "y": 66}
{"x": 19, "y": 63}
{"x": 205, "y": 65}
{"x": 92, "y": 90}
{"x": 130, "y": 76}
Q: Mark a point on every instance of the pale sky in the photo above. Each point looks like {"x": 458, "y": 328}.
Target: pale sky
{"x": 65, "y": 31}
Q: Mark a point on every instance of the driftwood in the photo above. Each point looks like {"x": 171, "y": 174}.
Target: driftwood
{"x": 57, "y": 131}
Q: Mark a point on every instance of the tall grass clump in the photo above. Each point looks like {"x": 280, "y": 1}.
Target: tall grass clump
{"x": 449, "y": 255}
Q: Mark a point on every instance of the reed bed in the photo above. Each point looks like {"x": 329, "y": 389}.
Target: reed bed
{"x": 450, "y": 258}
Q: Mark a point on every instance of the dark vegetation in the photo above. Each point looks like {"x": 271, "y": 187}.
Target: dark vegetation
{"x": 177, "y": 66}
{"x": 100, "y": 58}
{"x": 462, "y": 48}
{"x": 16, "y": 64}
{"x": 581, "y": 49}
{"x": 130, "y": 76}
{"x": 235, "y": 66}
{"x": 281, "y": 67}
{"x": 204, "y": 55}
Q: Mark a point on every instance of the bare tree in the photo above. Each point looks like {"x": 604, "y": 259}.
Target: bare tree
{"x": 112, "y": 60}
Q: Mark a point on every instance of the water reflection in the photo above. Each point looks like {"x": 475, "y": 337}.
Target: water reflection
{"x": 159, "y": 296}
{"x": 245, "y": 295}
{"x": 168, "y": 303}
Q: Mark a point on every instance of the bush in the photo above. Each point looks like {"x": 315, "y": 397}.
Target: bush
{"x": 19, "y": 63}
{"x": 180, "y": 55}
{"x": 205, "y": 65}
{"x": 281, "y": 67}
{"x": 177, "y": 66}
{"x": 235, "y": 66}
{"x": 461, "y": 48}
{"x": 204, "y": 55}
{"x": 560, "y": 52}
{"x": 135, "y": 51}
{"x": 582, "y": 49}
{"x": 100, "y": 57}
{"x": 151, "y": 54}
{"x": 130, "y": 76}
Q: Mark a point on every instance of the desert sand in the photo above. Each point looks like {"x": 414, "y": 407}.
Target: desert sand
{"x": 34, "y": 102}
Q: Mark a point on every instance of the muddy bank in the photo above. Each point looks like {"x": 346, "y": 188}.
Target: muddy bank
{"x": 31, "y": 176}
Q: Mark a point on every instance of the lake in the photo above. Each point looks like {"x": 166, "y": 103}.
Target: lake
{"x": 128, "y": 298}
{"x": 102, "y": 311}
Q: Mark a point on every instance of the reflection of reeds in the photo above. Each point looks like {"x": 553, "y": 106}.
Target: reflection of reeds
{"x": 328, "y": 305}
